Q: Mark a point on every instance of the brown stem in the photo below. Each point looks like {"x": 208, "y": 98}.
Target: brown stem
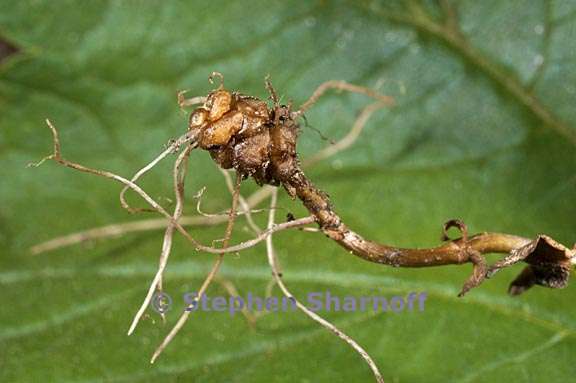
{"x": 550, "y": 262}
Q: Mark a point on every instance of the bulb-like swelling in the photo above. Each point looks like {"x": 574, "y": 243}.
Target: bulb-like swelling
{"x": 241, "y": 132}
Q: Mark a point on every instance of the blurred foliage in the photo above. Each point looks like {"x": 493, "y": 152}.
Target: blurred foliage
{"x": 483, "y": 131}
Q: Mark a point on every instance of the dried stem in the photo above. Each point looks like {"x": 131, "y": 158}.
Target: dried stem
{"x": 273, "y": 261}
{"x": 550, "y": 262}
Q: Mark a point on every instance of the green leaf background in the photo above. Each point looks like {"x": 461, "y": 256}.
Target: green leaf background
{"x": 484, "y": 130}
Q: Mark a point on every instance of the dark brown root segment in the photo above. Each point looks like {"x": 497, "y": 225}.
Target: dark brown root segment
{"x": 549, "y": 262}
